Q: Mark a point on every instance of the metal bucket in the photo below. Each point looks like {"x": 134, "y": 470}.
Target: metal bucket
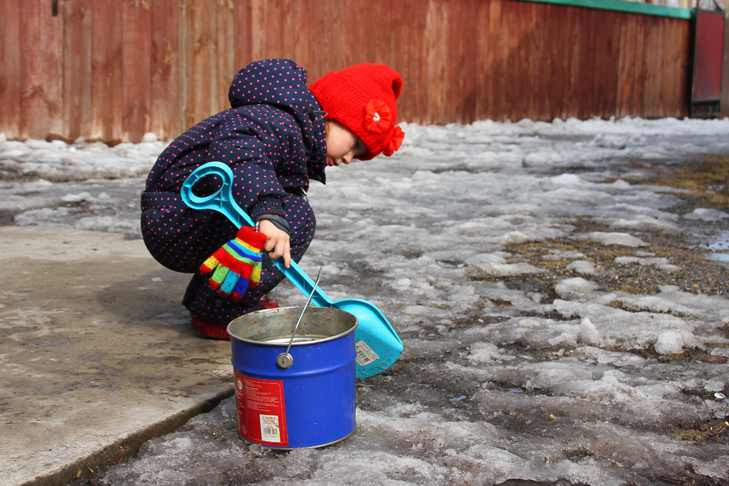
{"x": 309, "y": 404}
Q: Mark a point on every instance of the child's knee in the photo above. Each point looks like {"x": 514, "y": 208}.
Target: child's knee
{"x": 166, "y": 243}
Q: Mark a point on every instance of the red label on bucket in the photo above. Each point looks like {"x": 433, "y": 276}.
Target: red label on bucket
{"x": 261, "y": 410}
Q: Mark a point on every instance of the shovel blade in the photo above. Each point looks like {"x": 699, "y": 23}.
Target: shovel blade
{"x": 377, "y": 343}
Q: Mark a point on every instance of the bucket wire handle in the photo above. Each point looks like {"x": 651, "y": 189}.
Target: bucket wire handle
{"x": 285, "y": 359}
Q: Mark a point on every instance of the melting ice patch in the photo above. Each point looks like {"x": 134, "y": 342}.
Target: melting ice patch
{"x": 618, "y": 239}
{"x": 558, "y": 382}
{"x": 659, "y": 262}
{"x": 706, "y": 214}
{"x": 495, "y": 265}
{"x": 60, "y": 161}
{"x": 583, "y": 267}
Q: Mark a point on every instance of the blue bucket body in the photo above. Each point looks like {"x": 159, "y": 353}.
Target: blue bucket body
{"x": 310, "y": 404}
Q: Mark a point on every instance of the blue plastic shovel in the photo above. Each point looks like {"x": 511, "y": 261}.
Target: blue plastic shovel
{"x": 377, "y": 343}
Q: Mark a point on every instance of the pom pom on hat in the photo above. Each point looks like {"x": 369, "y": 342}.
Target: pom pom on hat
{"x": 363, "y": 99}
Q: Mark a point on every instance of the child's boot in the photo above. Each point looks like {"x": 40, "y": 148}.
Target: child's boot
{"x": 212, "y": 330}
{"x": 267, "y": 303}
{"x": 209, "y": 330}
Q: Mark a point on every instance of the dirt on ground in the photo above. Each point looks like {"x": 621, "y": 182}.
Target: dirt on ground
{"x": 704, "y": 183}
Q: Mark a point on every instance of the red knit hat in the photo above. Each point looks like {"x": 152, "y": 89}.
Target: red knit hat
{"x": 363, "y": 99}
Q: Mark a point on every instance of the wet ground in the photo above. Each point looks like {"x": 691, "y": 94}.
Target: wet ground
{"x": 565, "y": 323}
{"x": 434, "y": 377}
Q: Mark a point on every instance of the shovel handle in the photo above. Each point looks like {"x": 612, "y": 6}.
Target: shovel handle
{"x": 223, "y": 202}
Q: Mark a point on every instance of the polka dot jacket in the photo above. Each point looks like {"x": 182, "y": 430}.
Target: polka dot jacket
{"x": 273, "y": 139}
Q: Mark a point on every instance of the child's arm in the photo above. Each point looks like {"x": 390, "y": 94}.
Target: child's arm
{"x": 252, "y": 152}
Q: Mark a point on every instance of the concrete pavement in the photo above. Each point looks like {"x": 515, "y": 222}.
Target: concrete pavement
{"x": 96, "y": 353}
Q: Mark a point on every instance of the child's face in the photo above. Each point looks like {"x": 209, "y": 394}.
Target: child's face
{"x": 342, "y": 145}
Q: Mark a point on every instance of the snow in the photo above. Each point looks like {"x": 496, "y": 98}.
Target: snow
{"x": 660, "y": 263}
{"x": 59, "y": 161}
{"x": 486, "y": 352}
{"x": 494, "y": 264}
{"x": 670, "y": 342}
{"x": 583, "y": 267}
{"x": 588, "y": 333}
{"x": 574, "y": 288}
{"x": 502, "y": 378}
{"x": 706, "y": 214}
{"x": 620, "y": 239}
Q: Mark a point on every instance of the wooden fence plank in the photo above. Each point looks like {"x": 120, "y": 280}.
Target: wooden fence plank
{"x": 243, "y": 33}
{"x": 607, "y": 46}
{"x": 11, "y": 73}
{"x": 200, "y": 69}
{"x": 136, "y": 68}
{"x": 388, "y": 52}
{"x": 224, "y": 50}
{"x": 652, "y": 71}
{"x": 50, "y": 51}
{"x": 77, "y": 43}
{"x": 294, "y": 24}
{"x": 289, "y": 24}
{"x": 584, "y": 80}
{"x": 534, "y": 58}
{"x": 463, "y": 63}
{"x": 639, "y": 61}
{"x": 556, "y": 92}
{"x": 455, "y": 68}
{"x": 571, "y": 53}
{"x": 494, "y": 63}
{"x": 677, "y": 44}
{"x": 166, "y": 113}
{"x": 543, "y": 68}
{"x": 679, "y": 67}
{"x": 664, "y": 66}
{"x": 522, "y": 89}
{"x": 314, "y": 53}
{"x": 436, "y": 59}
{"x": 625, "y": 68}
{"x": 33, "y": 106}
{"x": 349, "y": 36}
{"x": 638, "y": 58}
{"x": 671, "y": 74}
{"x": 265, "y": 30}
{"x": 107, "y": 90}
{"x": 511, "y": 60}
{"x": 413, "y": 99}
{"x": 683, "y": 46}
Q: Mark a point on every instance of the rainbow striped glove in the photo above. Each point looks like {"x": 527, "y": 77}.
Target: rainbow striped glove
{"x": 236, "y": 265}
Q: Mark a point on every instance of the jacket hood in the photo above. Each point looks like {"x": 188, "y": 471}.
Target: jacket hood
{"x": 282, "y": 83}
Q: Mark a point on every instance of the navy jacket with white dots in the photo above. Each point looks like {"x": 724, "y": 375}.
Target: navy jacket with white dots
{"x": 272, "y": 137}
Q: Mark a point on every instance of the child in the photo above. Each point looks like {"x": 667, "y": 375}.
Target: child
{"x": 277, "y": 135}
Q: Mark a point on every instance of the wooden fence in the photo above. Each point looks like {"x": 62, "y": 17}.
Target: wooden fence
{"x": 114, "y": 69}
